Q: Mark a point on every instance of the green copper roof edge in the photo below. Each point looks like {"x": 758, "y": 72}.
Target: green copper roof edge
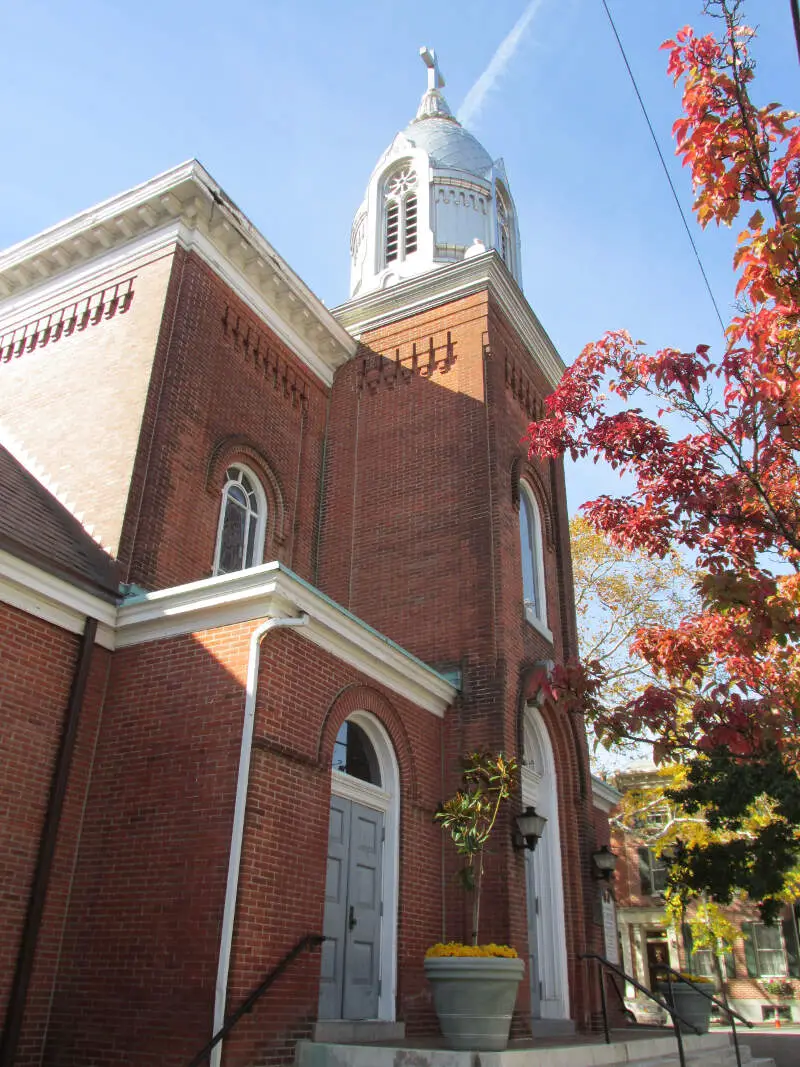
{"x": 364, "y": 625}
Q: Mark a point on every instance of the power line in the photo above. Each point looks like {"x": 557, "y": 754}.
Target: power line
{"x": 664, "y": 165}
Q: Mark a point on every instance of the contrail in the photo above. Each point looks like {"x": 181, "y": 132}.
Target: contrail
{"x": 474, "y": 99}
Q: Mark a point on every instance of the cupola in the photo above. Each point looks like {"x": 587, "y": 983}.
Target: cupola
{"x": 434, "y": 198}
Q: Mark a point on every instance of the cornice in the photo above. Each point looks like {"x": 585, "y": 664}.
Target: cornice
{"x": 187, "y": 203}
{"x": 631, "y": 915}
{"x": 269, "y": 591}
{"x": 272, "y": 591}
{"x": 54, "y": 600}
{"x": 448, "y": 283}
{"x": 604, "y": 796}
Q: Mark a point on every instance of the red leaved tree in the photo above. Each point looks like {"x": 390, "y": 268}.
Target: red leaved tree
{"x": 710, "y": 441}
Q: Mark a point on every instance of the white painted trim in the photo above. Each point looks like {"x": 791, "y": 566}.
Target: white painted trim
{"x": 267, "y": 591}
{"x": 184, "y": 202}
{"x": 54, "y": 600}
{"x": 447, "y": 283}
{"x": 540, "y": 788}
{"x": 537, "y": 616}
{"x": 539, "y": 626}
{"x": 131, "y": 257}
{"x": 604, "y": 796}
{"x": 272, "y": 590}
{"x": 386, "y": 800}
{"x": 260, "y": 516}
{"x": 195, "y": 241}
{"x": 371, "y": 796}
{"x": 237, "y": 832}
{"x": 161, "y": 241}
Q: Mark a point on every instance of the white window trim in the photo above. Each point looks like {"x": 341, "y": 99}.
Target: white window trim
{"x": 261, "y": 518}
{"x": 539, "y": 784}
{"x": 537, "y": 619}
{"x": 386, "y": 800}
{"x": 757, "y": 951}
{"x": 402, "y": 204}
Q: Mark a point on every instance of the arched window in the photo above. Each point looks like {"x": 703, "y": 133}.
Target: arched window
{"x": 354, "y": 754}
{"x": 242, "y": 518}
{"x": 400, "y": 237}
{"x": 530, "y": 536}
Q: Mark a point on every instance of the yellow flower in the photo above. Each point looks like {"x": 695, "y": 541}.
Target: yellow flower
{"x": 456, "y": 948}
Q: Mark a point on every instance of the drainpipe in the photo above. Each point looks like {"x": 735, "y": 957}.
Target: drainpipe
{"x": 237, "y": 835}
{"x": 47, "y": 846}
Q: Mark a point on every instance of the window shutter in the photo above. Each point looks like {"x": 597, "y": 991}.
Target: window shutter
{"x": 729, "y": 964}
{"x": 688, "y": 942}
{"x": 644, "y": 871}
{"x": 750, "y": 956}
{"x": 791, "y": 944}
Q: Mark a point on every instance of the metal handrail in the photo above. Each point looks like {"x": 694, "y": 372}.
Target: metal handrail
{"x": 706, "y": 994}
{"x": 309, "y": 941}
{"x": 732, "y": 1015}
{"x": 674, "y": 1015}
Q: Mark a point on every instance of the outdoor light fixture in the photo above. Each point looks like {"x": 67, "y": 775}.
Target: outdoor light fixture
{"x": 529, "y": 826}
{"x": 604, "y": 862}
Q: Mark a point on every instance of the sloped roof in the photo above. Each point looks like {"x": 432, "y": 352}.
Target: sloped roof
{"x": 37, "y": 527}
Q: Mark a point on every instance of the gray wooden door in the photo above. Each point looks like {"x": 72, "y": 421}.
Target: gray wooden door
{"x": 350, "y": 970}
{"x": 533, "y": 936}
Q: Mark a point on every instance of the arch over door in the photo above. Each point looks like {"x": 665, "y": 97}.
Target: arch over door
{"x": 359, "y": 961}
{"x": 545, "y": 891}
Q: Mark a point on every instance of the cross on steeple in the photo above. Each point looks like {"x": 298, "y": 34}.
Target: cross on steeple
{"x": 435, "y": 76}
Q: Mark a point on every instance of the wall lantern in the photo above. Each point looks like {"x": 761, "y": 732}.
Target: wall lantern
{"x": 604, "y": 862}
{"x": 528, "y": 828}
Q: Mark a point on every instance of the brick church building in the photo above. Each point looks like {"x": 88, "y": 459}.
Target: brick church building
{"x": 266, "y": 571}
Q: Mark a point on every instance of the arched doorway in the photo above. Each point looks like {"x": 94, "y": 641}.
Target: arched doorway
{"x": 547, "y": 965}
{"x": 359, "y": 959}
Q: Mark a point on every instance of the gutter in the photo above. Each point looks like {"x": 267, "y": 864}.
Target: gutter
{"x": 237, "y": 834}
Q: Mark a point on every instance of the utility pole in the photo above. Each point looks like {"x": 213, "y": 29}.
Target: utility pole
{"x": 796, "y": 21}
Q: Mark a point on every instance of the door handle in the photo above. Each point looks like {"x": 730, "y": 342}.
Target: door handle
{"x": 351, "y": 922}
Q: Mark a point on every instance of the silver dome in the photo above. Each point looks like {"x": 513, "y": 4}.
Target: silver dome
{"x": 449, "y": 145}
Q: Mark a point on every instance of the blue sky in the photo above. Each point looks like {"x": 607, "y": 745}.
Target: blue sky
{"x": 290, "y": 103}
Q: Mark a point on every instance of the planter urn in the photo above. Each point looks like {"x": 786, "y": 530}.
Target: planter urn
{"x": 689, "y": 1004}
{"x": 474, "y": 998}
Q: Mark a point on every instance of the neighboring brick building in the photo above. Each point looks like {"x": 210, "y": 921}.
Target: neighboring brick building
{"x": 762, "y": 970}
{"x": 327, "y": 570}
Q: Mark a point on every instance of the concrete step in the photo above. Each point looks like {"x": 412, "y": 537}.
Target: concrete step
{"x": 706, "y": 1050}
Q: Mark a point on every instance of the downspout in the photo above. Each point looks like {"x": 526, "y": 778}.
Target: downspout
{"x": 237, "y": 835}
{"x": 47, "y": 846}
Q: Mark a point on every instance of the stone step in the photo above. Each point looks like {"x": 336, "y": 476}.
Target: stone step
{"x": 706, "y": 1050}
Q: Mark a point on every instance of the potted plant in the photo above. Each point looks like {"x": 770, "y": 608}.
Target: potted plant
{"x": 779, "y": 989}
{"x": 694, "y": 1008}
{"x": 475, "y": 986}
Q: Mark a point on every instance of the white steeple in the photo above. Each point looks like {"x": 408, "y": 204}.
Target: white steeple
{"x": 435, "y": 197}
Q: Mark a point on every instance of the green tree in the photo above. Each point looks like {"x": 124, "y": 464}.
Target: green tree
{"x": 617, "y": 592}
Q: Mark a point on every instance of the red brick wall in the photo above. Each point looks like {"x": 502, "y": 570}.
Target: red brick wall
{"x": 142, "y": 944}
{"x": 224, "y": 387}
{"x": 75, "y": 403}
{"x": 405, "y": 525}
{"x": 38, "y": 663}
{"x": 135, "y": 418}
{"x": 37, "y": 666}
{"x": 421, "y": 538}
